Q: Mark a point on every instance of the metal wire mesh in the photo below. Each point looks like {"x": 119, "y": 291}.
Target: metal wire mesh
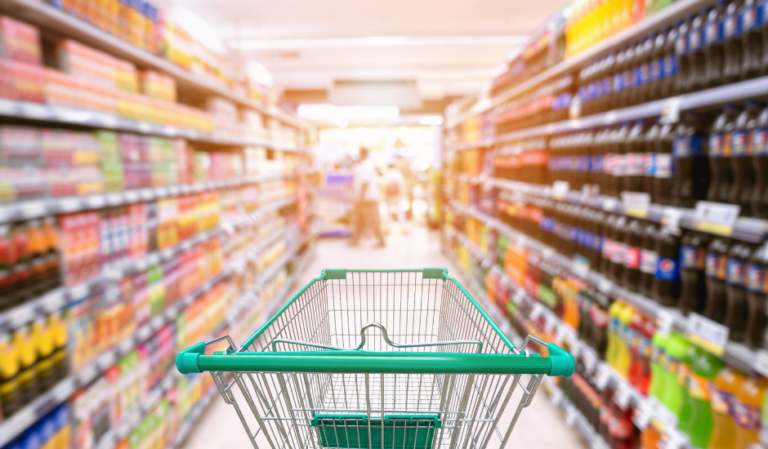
{"x": 279, "y": 410}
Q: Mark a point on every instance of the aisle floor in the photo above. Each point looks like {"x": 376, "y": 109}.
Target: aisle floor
{"x": 540, "y": 426}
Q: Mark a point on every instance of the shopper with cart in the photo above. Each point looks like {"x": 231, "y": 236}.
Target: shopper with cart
{"x": 366, "y": 197}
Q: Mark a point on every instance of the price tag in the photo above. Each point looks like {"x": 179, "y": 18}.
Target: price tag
{"x": 636, "y": 204}
{"x": 622, "y": 395}
{"x": 32, "y": 209}
{"x": 707, "y": 334}
{"x": 22, "y": 315}
{"x": 53, "y": 301}
{"x": 641, "y": 415}
{"x": 560, "y": 190}
{"x": 173, "y": 190}
{"x": 605, "y": 286}
{"x": 671, "y": 111}
{"x": 147, "y": 194}
{"x": 717, "y": 218}
{"x": 609, "y": 204}
{"x": 610, "y": 118}
{"x": 63, "y": 390}
{"x": 131, "y": 196}
{"x": 671, "y": 219}
{"x": 557, "y": 396}
{"x": 79, "y": 291}
{"x": 108, "y": 121}
{"x": 157, "y": 322}
{"x": 114, "y": 199}
{"x": 87, "y": 374}
{"x": 570, "y": 417}
{"x": 666, "y": 321}
{"x": 580, "y": 266}
{"x": 96, "y": 201}
{"x": 23, "y": 419}
{"x": 590, "y": 361}
{"x": 602, "y": 376}
{"x": 144, "y": 333}
{"x": 144, "y": 127}
{"x": 34, "y": 111}
{"x": 107, "y": 360}
{"x": 126, "y": 346}
{"x": 7, "y": 107}
{"x": 549, "y": 324}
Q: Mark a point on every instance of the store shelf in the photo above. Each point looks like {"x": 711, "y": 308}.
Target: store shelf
{"x": 27, "y": 210}
{"x": 81, "y": 117}
{"x": 573, "y": 417}
{"x": 194, "y": 414}
{"x": 750, "y": 229}
{"x": 60, "y": 298}
{"x": 734, "y": 354}
{"x": 668, "y": 16}
{"x": 51, "y": 19}
{"x": 735, "y": 92}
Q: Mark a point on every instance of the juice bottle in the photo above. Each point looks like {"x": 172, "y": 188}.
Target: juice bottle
{"x": 727, "y": 384}
{"x": 10, "y": 397}
{"x": 633, "y": 375}
{"x": 747, "y": 408}
{"x": 673, "y": 394}
{"x": 613, "y": 325}
{"x": 58, "y": 327}
{"x": 658, "y": 361}
{"x": 704, "y": 370}
{"x": 44, "y": 346}
{"x": 684, "y": 372}
{"x": 27, "y": 355}
{"x": 650, "y": 438}
{"x": 644, "y": 353}
{"x": 624, "y": 340}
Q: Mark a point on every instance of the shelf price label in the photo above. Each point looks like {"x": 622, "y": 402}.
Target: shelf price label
{"x": 761, "y": 362}
{"x": 602, "y": 377}
{"x": 707, "y": 334}
{"x": 623, "y": 395}
{"x": 636, "y": 204}
{"x": 560, "y": 190}
{"x": 717, "y": 218}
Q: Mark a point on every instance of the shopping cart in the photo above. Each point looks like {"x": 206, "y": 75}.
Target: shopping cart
{"x": 440, "y": 374}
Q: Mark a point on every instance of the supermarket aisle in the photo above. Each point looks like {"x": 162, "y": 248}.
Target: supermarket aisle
{"x": 539, "y": 426}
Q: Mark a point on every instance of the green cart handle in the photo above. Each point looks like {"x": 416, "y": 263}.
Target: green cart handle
{"x": 194, "y": 360}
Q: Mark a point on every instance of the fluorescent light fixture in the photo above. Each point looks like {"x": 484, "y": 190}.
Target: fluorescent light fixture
{"x": 347, "y": 113}
{"x": 374, "y": 41}
{"x": 431, "y": 120}
{"x": 197, "y": 26}
{"x": 259, "y": 73}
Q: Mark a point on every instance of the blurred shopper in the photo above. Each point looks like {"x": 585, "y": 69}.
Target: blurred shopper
{"x": 402, "y": 164}
{"x": 366, "y": 198}
{"x": 394, "y": 188}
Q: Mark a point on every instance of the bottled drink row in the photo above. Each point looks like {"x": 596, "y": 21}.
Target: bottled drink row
{"x": 720, "y": 278}
{"x": 722, "y": 158}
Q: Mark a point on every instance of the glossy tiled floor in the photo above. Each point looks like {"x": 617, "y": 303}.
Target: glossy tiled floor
{"x": 541, "y": 426}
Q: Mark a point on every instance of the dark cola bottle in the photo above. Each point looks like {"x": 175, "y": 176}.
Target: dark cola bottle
{"x": 669, "y": 64}
{"x": 751, "y": 40}
{"x": 608, "y": 245}
{"x": 757, "y": 287}
{"x": 648, "y": 258}
{"x": 715, "y": 265}
{"x": 619, "y": 249}
{"x": 649, "y": 159}
{"x": 664, "y": 168}
{"x": 634, "y": 241}
{"x": 741, "y": 164}
{"x": 697, "y": 69}
{"x": 736, "y": 291}
{"x": 759, "y": 162}
{"x": 666, "y": 281}
{"x": 691, "y": 166}
{"x": 713, "y": 46}
{"x": 693, "y": 288}
{"x": 720, "y": 140}
{"x": 683, "y": 57}
{"x": 732, "y": 44}
{"x": 634, "y": 152}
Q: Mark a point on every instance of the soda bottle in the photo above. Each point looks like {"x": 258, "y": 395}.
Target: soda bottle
{"x": 726, "y": 386}
{"x": 741, "y": 164}
{"x": 648, "y": 259}
{"x": 666, "y": 282}
{"x": 650, "y": 438}
{"x": 618, "y": 254}
{"x": 634, "y": 238}
{"x": 618, "y": 159}
{"x": 658, "y": 364}
{"x": 617, "y": 84}
{"x": 691, "y": 165}
{"x": 697, "y": 68}
{"x": 759, "y": 162}
{"x": 634, "y": 149}
{"x": 686, "y": 402}
{"x": 624, "y": 341}
{"x": 732, "y": 49}
{"x": 703, "y": 371}
{"x": 747, "y": 410}
{"x": 693, "y": 288}
{"x": 633, "y": 342}
{"x": 614, "y": 311}
{"x": 735, "y": 291}
{"x": 645, "y": 347}
{"x": 643, "y": 76}
{"x": 757, "y": 290}
{"x": 666, "y": 87}
{"x": 598, "y": 322}
{"x": 720, "y": 140}
{"x": 751, "y": 39}
{"x": 658, "y": 55}
{"x": 608, "y": 245}
{"x": 663, "y": 166}
{"x": 683, "y": 55}
{"x": 713, "y": 46}
{"x": 649, "y": 159}
{"x": 715, "y": 268}
{"x": 677, "y": 347}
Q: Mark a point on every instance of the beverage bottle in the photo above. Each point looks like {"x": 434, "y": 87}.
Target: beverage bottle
{"x": 741, "y": 164}
{"x": 658, "y": 56}
{"x": 715, "y": 268}
{"x": 663, "y": 165}
{"x": 27, "y": 354}
{"x": 633, "y": 343}
{"x": 751, "y": 39}
{"x": 720, "y": 139}
{"x": 666, "y": 282}
{"x": 614, "y": 311}
{"x": 650, "y": 438}
{"x": 618, "y": 254}
{"x": 10, "y": 394}
{"x": 732, "y": 44}
{"x": 703, "y": 371}
{"x": 759, "y": 162}
{"x": 649, "y": 159}
{"x": 669, "y": 63}
{"x": 683, "y": 55}
{"x": 608, "y": 245}
{"x": 44, "y": 347}
{"x": 747, "y": 409}
{"x": 645, "y": 348}
{"x": 623, "y": 343}
{"x": 686, "y": 402}
{"x": 634, "y": 149}
{"x": 693, "y": 288}
{"x": 618, "y": 159}
{"x": 677, "y": 346}
{"x": 598, "y": 322}
{"x": 691, "y": 166}
{"x": 648, "y": 259}
{"x": 643, "y": 76}
{"x": 757, "y": 291}
{"x": 658, "y": 363}
{"x": 735, "y": 290}
{"x": 634, "y": 238}
{"x": 696, "y": 59}
{"x": 727, "y": 384}
{"x": 630, "y": 74}
{"x": 713, "y": 46}
{"x": 617, "y": 84}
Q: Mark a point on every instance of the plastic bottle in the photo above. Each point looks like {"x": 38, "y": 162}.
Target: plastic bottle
{"x": 664, "y": 167}
{"x": 757, "y": 291}
{"x": 666, "y": 282}
{"x": 634, "y": 149}
{"x": 741, "y": 164}
{"x": 666, "y": 88}
{"x": 623, "y": 342}
{"x": 726, "y": 386}
{"x": 686, "y": 402}
{"x": 27, "y": 354}
{"x": 747, "y": 409}
{"x": 697, "y": 66}
{"x": 703, "y": 371}
{"x": 683, "y": 55}
{"x": 732, "y": 44}
{"x": 720, "y": 140}
{"x": 645, "y": 348}
{"x": 614, "y": 311}
{"x": 677, "y": 346}
{"x": 658, "y": 363}
{"x": 634, "y": 238}
{"x": 715, "y": 268}
{"x": 759, "y": 162}
{"x": 618, "y": 254}
{"x": 693, "y": 288}
{"x": 618, "y": 159}
{"x": 713, "y": 46}
{"x": 10, "y": 395}
{"x": 658, "y": 54}
{"x": 44, "y": 347}
{"x": 691, "y": 165}
{"x": 648, "y": 259}
{"x": 735, "y": 290}
{"x": 751, "y": 40}
{"x": 649, "y": 159}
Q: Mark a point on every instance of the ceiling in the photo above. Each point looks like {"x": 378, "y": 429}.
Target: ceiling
{"x": 448, "y": 46}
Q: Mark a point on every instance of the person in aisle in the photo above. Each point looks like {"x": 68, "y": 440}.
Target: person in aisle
{"x": 394, "y": 187}
{"x": 402, "y": 164}
{"x": 365, "y": 191}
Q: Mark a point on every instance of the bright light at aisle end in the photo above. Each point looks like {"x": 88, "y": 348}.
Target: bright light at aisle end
{"x": 347, "y": 113}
